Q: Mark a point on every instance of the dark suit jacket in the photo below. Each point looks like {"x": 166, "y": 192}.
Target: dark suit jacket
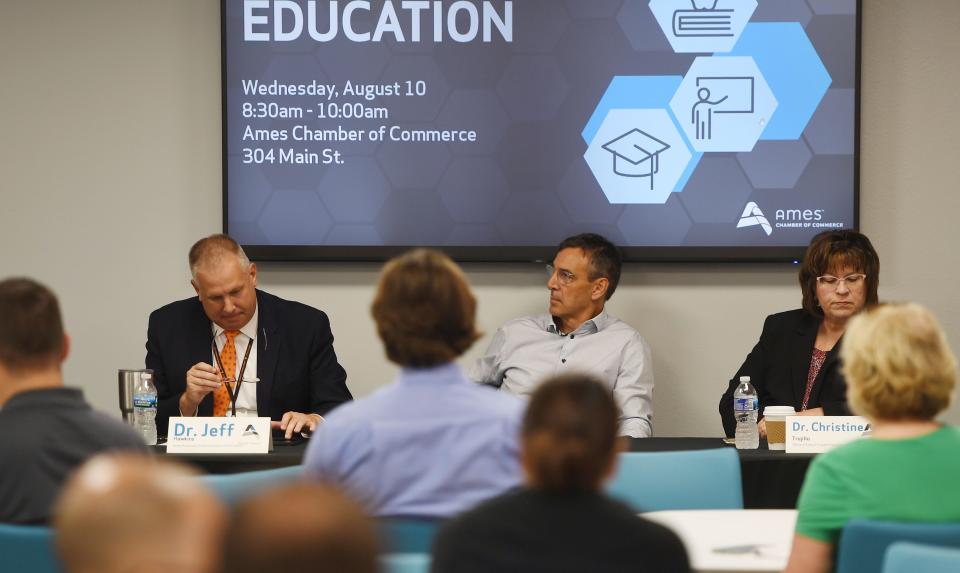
{"x": 778, "y": 367}
{"x": 296, "y": 364}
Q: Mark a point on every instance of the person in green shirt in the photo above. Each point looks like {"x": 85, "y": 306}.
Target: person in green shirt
{"x": 900, "y": 375}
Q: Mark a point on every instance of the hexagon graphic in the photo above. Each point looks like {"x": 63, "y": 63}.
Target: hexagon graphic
{"x": 723, "y": 104}
{"x": 532, "y": 88}
{"x": 792, "y": 68}
{"x": 638, "y": 156}
{"x": 702, "y": 26}
{"x": 775, "y": 164}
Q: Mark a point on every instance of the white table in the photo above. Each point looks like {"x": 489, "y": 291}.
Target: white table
{"x": 732, "y": 539}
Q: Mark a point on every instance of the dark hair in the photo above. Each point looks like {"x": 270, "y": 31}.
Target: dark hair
{"x": 31, "y": 329}
{"x": 570, "y": 434}
{"x": 605, "y": 260}
{"x": 830, "y": 250}
{"x": 299, "y": 527}
{"x": 424, "y": 310}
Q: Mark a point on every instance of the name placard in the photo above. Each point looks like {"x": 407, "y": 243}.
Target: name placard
{"x": 203, "y": 435}
{"x": 817, "y": 434}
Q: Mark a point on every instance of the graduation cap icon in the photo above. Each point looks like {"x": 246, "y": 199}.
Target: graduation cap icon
{"x": 636, "y": 154}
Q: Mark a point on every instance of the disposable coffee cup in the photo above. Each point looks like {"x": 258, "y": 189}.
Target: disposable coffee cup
{"x": 775, "y": 418}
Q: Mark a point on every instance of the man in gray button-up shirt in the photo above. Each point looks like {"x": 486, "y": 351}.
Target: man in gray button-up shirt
{"x": 577, "y": 334}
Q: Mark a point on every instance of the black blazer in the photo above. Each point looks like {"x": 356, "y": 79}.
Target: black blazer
{"x": 778, "y": 366}
{"x": 296, "y": 364}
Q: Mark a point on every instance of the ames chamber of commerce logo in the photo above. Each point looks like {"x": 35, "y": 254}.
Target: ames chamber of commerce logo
{"x": 753, "y": 216}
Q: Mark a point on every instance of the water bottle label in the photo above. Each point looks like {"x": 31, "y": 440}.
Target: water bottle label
{"x": 748, "y": 404}
{"x": 145, "y": 401}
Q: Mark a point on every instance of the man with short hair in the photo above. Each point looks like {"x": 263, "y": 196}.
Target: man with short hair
{"x": 120, "y": 514}
{"x": 432, "y": 444}
{"x": 301, "y": 527}
{"x": 274, "y": 356}
{"x": 576, "y": 335}
{"x": 46, "y": 430}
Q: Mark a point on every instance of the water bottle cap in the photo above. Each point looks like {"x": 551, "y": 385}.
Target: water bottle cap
{"x": 744, "y": 378}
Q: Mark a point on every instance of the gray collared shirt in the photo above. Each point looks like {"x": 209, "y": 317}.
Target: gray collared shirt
{"x": 527, "y": 350}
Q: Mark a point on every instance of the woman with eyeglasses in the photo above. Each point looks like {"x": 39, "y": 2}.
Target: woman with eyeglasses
{"x": 796, "y": 361}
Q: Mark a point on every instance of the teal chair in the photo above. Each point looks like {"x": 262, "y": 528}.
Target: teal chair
{"x": 233, "y": 488}
{"x": 405, "y": 563}
{"x": 407, "y": 535}
{"x": 691, "y": 479}
{"x": 863, "y": 542}
{"x": 906, "y": 557}
{"x": 27, "y": 548}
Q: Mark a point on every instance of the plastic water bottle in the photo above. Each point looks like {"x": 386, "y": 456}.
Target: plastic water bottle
{"x": 745, "y": 406}
{"x": 145, "y": 408}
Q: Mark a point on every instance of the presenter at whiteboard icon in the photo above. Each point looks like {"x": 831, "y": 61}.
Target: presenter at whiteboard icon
{"x": 704, "y": 21}
{"x": 636, "y": 154}
{"x": 729, "y": 95}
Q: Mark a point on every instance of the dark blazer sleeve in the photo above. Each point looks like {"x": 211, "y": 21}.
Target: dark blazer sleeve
{"x": 778, "y": 367}
{"x": 168, "y": 398}
{"x": 328, "y": 380}
{"x": 753, "y": 366}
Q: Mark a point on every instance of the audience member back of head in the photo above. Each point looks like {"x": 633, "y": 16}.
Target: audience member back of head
{"x": 46, "y": 430}
{"x": 301, "y": 527}
{"x": 561, "y": 522}
{"x": 125, "y": 513}
{"x": 432, "y": 444}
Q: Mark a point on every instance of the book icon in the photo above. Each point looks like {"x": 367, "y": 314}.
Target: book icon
{"x": 703, "y": 21}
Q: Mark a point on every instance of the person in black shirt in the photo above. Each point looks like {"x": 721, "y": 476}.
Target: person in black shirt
{"x": 46, "y": 430}
{"x": 561, "y": 522}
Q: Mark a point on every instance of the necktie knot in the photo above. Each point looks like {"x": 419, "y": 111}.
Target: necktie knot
{"x": 231, "y": 335}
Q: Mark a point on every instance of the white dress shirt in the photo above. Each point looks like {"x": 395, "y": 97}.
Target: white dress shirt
{"x": 247, "y": 400}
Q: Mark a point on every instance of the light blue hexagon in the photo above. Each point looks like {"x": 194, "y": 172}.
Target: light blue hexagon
{"x": 793, "y": 70}
{"x": 638, "y": 92}
{"x": 702, "y": 26}
{"x": 723, "y": 104}
{"x": 638, "y": 156}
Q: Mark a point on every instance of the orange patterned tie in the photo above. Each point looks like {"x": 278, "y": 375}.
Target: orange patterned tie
{"x": 228, "y": 357}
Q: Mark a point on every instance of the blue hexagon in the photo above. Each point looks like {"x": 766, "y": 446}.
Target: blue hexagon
{"x": 637, "y": 92}
{"x": 702, "y": 26}
{"x": 793, "y": 70}
{"x": 723, "y": 104}
{"x": 638, "y": 156}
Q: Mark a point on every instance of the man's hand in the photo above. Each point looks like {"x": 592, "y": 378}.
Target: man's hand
{"x": 201, "y": 380}
{"x": 762, "y": 427}
{"x": 295, "y": 422}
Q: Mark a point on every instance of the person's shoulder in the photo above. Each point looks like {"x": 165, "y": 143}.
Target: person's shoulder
{"x": 290, "y": 310}
{"x": 528, "y": 322}
{"x": 492, "y": 399}
{"x": 112, "y": 432}
{"x": 793, "y": 317}
{"x": 485, "y": 516}
{"x": 178, "y": 308}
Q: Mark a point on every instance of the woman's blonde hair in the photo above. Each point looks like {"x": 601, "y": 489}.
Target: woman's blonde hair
{"x": 898, "y": 364}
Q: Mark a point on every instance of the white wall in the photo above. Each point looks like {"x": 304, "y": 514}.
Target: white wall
{"x": 110, "y": 169}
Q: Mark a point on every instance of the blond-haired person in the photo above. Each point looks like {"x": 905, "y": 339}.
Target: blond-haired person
{"x": 900, "y": 374}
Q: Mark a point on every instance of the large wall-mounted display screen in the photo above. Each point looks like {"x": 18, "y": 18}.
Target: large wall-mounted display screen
{"x": 679, "y": 129}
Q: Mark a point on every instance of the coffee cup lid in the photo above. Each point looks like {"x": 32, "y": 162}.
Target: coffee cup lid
{"x": 779, "y": 411}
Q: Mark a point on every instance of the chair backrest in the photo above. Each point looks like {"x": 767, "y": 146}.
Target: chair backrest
{"x": 405, "y": 563}
{"x": 233, "y": 488}
{"x": 27, "y": 548}
{"x": 906, "y": 557}
{"x": 863, "y": 542}
{"x": 691, "y": 479}
{"x": 407, "y": 534}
